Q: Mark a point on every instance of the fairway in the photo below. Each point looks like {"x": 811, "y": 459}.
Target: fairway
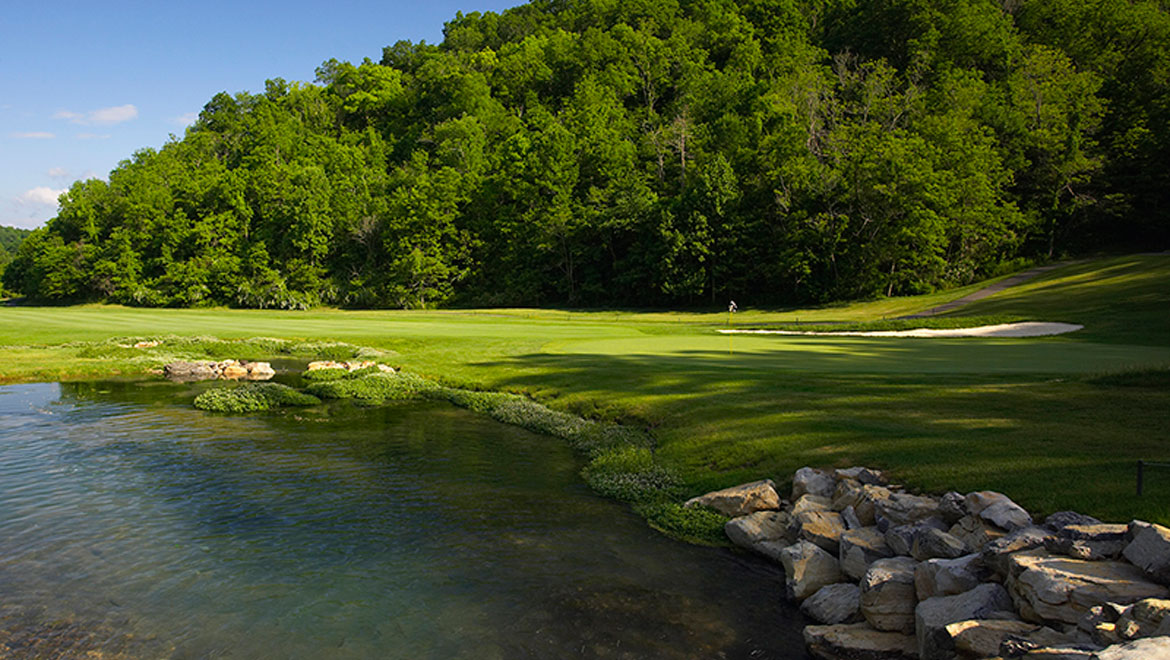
{"x": 1024, "y": 416}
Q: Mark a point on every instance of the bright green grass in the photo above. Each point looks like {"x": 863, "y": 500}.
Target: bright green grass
{"x": 1030, "y": 417}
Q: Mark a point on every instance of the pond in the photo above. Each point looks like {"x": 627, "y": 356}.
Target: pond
{"x": 133, "y": 525}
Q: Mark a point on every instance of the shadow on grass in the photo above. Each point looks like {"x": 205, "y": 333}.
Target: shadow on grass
{"x": 1051, "y": 442}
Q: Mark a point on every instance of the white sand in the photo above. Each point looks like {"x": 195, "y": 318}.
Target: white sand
{"x": 1026, "y": 329}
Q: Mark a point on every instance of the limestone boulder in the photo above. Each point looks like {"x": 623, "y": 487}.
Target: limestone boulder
{"x": 1151, "y": 648}
{"x": 835, "y": 603}
{"x": 901, "y": 538}
{"x": 810, "y": 481}
{"x": 981, "y": 638}
{"x": 811, "y": 503}
{"x": 1048, "y": 587}
{"x": 935, "y": 543}
{"x": 1146, "y": 618}
{"x": 857, "y": 642}
{"x": 849, "y": 493}
{"x": 260, "y": 370}
{"x": 980, "y": 500}
{"x": 933, "y": 615}
{"x": 740, "y": 500}
{"x": 862, "y": 475}
{"x": 887, "y": 595}
{"x": 904, "y": 508}
{"x": 807, "y": 568}
{"x": 1092, "y": 542}
{"x": 823, "y": 528}
{"x": 952, "y": 507}
{"x": 947, "y": 577}
{"x": 189, "y": 371}
{"x": 850, "y": 518}
{"x": 1062, "y": 519}
{"x": 755, "y": 528}
{"x": 997, "y": 553}
{"x": 233, "y": 371}
{"x": 1150, "y": 550}
{"x": 975, "y": 532}
{"x": 1007, "y": 515}
{"x": 861, "y": 547}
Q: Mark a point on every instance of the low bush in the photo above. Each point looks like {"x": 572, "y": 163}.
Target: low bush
{"x": 630, "y": 474}
{"x": 371, "y": 387}
{"x": 250, "y": 397}
{"x": 698, "y": 525}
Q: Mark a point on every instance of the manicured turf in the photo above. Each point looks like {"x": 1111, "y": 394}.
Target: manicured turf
{"x": 1029, "y": 417}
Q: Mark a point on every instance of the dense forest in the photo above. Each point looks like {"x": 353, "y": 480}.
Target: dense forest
{"x": 648, "y": 152}
{"x": 10, "y": 240}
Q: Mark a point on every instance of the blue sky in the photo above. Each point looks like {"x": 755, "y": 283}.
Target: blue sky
{"x": 83, "y": 84}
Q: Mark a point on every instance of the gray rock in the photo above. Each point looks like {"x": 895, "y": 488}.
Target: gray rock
{"x": 857, "y": 641}
{"x": 740, "y": 500}
{"x": 901, "y": 538}
{"x": 975, "y": 533}
{"x": 834, "y": 603}
{"x": 1047, "y": 587}
{"x": 887, "y": 595}
{"x": 747, "y": 531}
{"x": 862, "y": 475}
{"x": 1006, "y": 515}
{"x": 190, "y": 371}
{"x": 1150, "y": 550}
{"x": 808, "y": 568}
{"x": 947, "y": 577}
{"x": 981, "y": 638}
{"x": 1151, "y": 648}
{"x": 811, "y": 503}
{"x": 811, "y": 481}
{"x": 849, "y": 517}
{"x": 904, "y": 508}
{"x": 952, "y": 506}
{"x": 1092, "y": 542}
{"x": 1061, "y": 519}
{"x": 1145, "y": 618}
{"x": 933, "y": 615}
{"x": 823, "y": 528}
{"x": 935, "y": 543}
{"x": 860, "y": 548}
{"x": 980, "y": 500}
{"x": 997, "y": 552}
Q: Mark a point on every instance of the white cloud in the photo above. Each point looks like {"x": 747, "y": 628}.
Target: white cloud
{"x": 92, "y": 136}
{"x": 186, "y": 119}
{"x": 33, "y": 135}
{"x": 58, "y": 172}
{"x": 43, "y": 195}
{"x": 113, "y": 115}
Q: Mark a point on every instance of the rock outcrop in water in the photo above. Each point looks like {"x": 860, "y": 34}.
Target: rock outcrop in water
{"x": 222, "y": 370}
{"x": 895, "y": 575}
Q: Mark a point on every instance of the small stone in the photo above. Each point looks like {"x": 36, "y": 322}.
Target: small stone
{"x": 808, "y": 568}
{"x": 887, "y": 595}
{"x": 747, "y": 531}
{"x": 1150, "y": 550}
{"x": 933, "y": 615}
{"x": 740, "y": 500}
{"x": 861, "y": 547}
{"x": 834, "y": 603}
{"x": 935, "y": 543}
{"x": 857, "y": 641}
{"x": 812, "y": 482}
{"x": 952, "y": 506}
{"x": 849, "y": 517}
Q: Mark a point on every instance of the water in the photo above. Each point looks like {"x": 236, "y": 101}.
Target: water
{"x": 133, "y": 525}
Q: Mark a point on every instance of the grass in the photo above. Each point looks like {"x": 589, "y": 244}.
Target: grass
{"x": 1056, "y": 423}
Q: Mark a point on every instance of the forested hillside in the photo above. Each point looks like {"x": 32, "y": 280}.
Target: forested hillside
{"x": 10, "y": 240}
{"x": 647, "y": 152}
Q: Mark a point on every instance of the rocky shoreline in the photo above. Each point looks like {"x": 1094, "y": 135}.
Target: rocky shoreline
{"x": 222, "y": 370}
{"x": 891, "y": 575}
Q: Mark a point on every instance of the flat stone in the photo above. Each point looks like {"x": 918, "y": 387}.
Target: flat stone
{"x": 740, "y": 500}
{"x": 901, "y": 538}
{"x": 861, "y": 547}
{"x": 857, "y": 641}
{"x": 997, "y": 553}
{"x": 823, "y": 528}
{"x": 1054, "y": 588}
{"x": 935, "y": 543}
{"x": 808, "y": 568}
{"x": 1061, "y": 519}
{"x": 754, "y": 528}
{"x": 811, "y": 481}
{"x": 981, "y": 638}
{"x": 834, "y": 603}
{"x": 1150, "y": 550}
{"x": 947, "y": 577}
{"x": 887, "y": 595}
{"x": 933, "y": 615}
{"x": 1151, "y": 648}
{"x": 1093, "y": 542}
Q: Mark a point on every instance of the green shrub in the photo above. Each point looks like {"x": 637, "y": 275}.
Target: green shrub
{"x": 324, "y": 375}
{"x": 249, "y": 397}
{"x": 698, "y": 525}
{"x": 630, "y": 474}
{"x": 376, "y": 386}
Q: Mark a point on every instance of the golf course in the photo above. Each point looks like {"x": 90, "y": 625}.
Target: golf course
{"x": 1054, "y": 422}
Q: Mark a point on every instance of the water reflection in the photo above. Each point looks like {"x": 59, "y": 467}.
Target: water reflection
{"x": 133, "y": 525}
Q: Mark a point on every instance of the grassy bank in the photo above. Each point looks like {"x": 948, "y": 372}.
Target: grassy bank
{"x": 1040, "y": 419}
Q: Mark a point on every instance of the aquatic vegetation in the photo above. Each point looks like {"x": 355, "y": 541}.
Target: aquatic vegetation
{"x": 251, "y": 397}
{"x": 691, "y": 524}
{"x": 630, "y": 474}
{"x": 373, "y": 387}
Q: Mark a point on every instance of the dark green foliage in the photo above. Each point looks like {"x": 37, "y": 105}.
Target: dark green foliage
{"x": 694, "y": 524}
{"x": 250, "y": 397}
{"x": 630, "y": 474}
{"x": 323, "y": 375}
{"x": 662, "y": 153}
{"x": 374, "y": 387}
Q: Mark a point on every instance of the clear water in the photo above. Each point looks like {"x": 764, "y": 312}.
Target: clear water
{"x": 133, "y": 525}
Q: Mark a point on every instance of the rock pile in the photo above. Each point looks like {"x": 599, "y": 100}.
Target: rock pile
{"x": 891, "y": 575}
{"x": 223, "y": 370}
{"x": 348, "y": 366}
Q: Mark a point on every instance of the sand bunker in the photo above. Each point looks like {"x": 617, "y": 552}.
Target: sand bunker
{"x": 1026, "y": 329}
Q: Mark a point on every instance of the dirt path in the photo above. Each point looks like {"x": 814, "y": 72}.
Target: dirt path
{"x": 1005, "y": 283}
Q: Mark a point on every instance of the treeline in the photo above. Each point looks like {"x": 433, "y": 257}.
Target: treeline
{"x": 647, "y": 152}
{"x": 10, "y": 240}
